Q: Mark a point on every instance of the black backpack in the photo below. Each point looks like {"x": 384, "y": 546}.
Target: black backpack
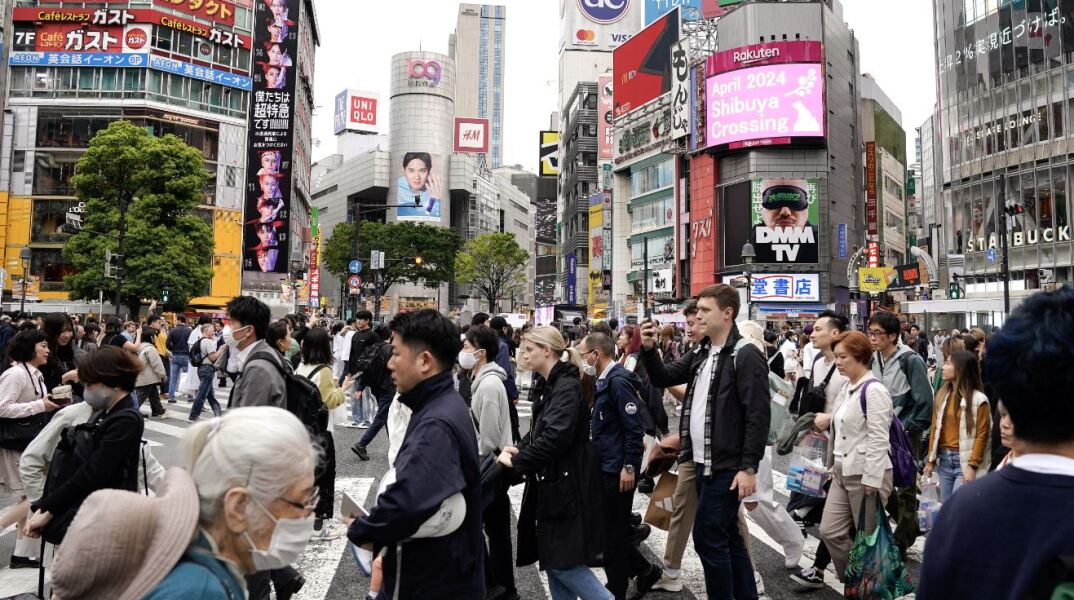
{"x": 303, "y": 397}
{"x": 196, "y": 355}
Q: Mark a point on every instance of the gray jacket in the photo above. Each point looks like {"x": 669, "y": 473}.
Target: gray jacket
{"x": 490, "y": 409}
{"x": 260, "y": 382}
{"x": 154, "y": 372}
{"x": 906, "y": 379}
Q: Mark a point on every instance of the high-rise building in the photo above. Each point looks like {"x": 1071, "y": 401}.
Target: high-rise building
{"x": 884, "y": 136}
{"x": 478, "y": 49}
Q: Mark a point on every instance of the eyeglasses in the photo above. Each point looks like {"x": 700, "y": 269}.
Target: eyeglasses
{"x": 311, "y": 502}
{"x": 877, "y": 332}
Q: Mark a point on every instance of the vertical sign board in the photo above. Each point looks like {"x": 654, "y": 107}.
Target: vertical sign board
{"x": 315, "y": 258}
{"x": 872, "y": 219}
{"x": 680, "y": 95}
{"x": 267, "y": 211}
{"x": 549, "y": 156}
{"x": 572, "y": 278}
{"x": 605, "y": 117}
{"x": 842, "y": 240}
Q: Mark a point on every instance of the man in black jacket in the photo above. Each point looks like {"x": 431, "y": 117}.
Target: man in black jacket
{"x": 723, "y": 430}
{"x": 180, "y": 361}
{"x": 437, "y": 459}
{"x": 378, "y": 378}
{"x": 362, "y": 344}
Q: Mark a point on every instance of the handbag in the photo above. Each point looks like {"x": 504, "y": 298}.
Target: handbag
{"x": 16, "y": 434}
{"x": 874, "y": 568}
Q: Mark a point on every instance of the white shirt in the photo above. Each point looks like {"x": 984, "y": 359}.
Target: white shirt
{"x": 699, "y": 405}
{"x": 1045, "y": 464}
{"x": 242, "y": 355}
{"x": 347, "y": 339}
{"x": 208, "y": 346}
{"x": 831, "y": 393}
{"x": 809, "y": 352}
{"x": 234, "y": 363}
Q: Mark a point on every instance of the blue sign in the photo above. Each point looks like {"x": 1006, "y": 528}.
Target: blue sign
{"x": 991, "y": 256}
{"x": 179, "y": 67}
{"x": 355, "y": 266}
{"x": 572, "y": 278}
{"x": 339, "y": 115}
{"x": 842, "y": 240}
{"x": 654, "y": 9}
{"x": 604, "y": 12}
{"x": 76, "y": 59}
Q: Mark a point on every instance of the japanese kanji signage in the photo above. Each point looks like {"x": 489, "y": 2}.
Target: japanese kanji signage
{"x": 315, "y": 258}
{"x": 75, "y": 37}
{"x": 269, "y": 168}
{"x": 680, "y": 92}
{"x": 872, "y": 218}
{"x": 122, "y": 17}
{"x": 186, "y": 69}
{"x": 1022, "y": 26}
{"x": 217, "y": 11}
{"x": 76, "y": 59}
{"x": 783, "y": 287}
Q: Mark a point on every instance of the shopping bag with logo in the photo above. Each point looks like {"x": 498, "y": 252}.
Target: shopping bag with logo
{"x": 661, "y": 501}
{"x": 807, "y": 472}
{"x": 874, "y": 569}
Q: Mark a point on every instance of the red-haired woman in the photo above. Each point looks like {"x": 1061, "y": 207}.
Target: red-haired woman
{"x": 858, "y": 452}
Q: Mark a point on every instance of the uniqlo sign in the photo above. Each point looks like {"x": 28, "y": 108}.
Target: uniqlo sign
{"x": 471, "y": 135}
{"x": 356, "y": 111}
{"x": 363, "y": 111}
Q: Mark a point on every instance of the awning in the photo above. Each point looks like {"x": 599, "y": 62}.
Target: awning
{"x": 781, "y": 312}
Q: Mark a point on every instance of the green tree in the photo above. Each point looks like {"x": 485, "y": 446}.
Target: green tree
{"x": 166, "y": 246}
{"x": 494, "y": 264}
{"x": 338, "y": 253}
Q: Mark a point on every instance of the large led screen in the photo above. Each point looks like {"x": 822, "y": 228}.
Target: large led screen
{"x": 770, "y": 104}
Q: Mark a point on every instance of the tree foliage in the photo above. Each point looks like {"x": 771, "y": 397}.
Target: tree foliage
{"x": 167, "y": 246}
{"x": 494, "y": 264}
{"x": 338, "y": 252}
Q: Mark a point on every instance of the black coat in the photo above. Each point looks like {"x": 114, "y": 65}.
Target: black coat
{"x": 559, "y": 522}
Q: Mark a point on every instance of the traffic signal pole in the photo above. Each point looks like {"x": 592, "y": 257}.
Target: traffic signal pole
{"x": 1005, "y": 269}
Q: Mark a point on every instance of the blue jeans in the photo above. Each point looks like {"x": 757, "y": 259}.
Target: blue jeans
{"x": 205, "y": 392}
{"x": 180, "y": 363}
{"x": 358, "y": 406}
{"x": 577, "y": 582}
{"x": 949, "y": 472}
{"x": 717, "y": 540}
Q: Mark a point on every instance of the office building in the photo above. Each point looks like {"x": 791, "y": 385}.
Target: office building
{"x": 885, "y": 138}
{"x": 478, "y": 49}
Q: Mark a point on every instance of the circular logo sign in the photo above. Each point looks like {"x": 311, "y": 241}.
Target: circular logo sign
{"x": 604, "y": 12}
{"x": 136, "y": 39}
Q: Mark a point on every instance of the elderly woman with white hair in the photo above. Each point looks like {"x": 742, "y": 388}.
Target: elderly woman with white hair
{"x": 253, "y": 470}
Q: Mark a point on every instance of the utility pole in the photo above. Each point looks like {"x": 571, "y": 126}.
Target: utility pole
{"x": 120, "y": 259}
{"x": 1005, "y": 269}
{"x": 645, "y": 296}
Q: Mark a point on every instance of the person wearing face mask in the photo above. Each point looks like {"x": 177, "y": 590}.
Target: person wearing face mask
{"x": 108, "y": 375}
{"x": 260, "y": 382}
{"x": 493, "y": 421}
{"x": 617, "y": 441}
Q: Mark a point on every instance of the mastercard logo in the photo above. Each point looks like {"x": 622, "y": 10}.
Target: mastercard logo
{"x": 585, "y": 35}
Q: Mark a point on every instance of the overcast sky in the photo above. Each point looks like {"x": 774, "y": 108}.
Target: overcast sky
{"x": 358, "y": 40}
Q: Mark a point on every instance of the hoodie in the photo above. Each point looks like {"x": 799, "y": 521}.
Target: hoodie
{"x": 906, "y": 379}
{"x": 490, "y": 410}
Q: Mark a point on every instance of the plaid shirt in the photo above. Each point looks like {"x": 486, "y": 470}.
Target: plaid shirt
{"x": 686, "y": 443}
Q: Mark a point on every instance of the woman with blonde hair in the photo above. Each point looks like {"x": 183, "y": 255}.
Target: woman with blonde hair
{"x": 557, "y": 523}
{"x": 961, "y": 425}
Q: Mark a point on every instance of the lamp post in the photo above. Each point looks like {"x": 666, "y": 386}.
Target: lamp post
{"x": 24, "y": 258}
{"x": 748, "y": 254}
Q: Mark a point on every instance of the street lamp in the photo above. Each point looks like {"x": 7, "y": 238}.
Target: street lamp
{"x": 748, "y": 254}
{"x": 24, "y": 257}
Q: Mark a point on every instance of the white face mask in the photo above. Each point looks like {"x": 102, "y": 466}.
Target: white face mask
{"x": 287, "y": 543}
{"x": 229, "y": 338}
{"x": 467, "y": 360}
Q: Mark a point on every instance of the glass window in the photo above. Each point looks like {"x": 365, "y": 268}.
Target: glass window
{"x": 49, "y": 216}
{"x": 53, "y": 172}
{"x": 651, "y": 178}
{"x": 185, "y": 44}
{"x": 50, "y": 266}
{"x": 1057, "y": 119}
{"x": 1046, "y": 197}
{"x": 162, "y": 38}
{"x": 1061, "y": 209}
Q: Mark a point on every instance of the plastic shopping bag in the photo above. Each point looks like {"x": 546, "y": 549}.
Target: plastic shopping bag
{"x": 875, "y": 571}
{"x": 807, "y": 473}
{"x": 189, "y": 382}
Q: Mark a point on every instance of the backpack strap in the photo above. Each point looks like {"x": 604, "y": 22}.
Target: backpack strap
{"x": 864, "y": 389}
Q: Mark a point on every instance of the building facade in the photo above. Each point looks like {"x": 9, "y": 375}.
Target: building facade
{"x": 885, "y": 137}
{"x": 577, "y": 183}
{"x": 478, "y": 49}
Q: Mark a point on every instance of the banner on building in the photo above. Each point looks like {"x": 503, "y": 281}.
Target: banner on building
{"x": 785, "y": 213}
{"x": 680, "y": 92}
{"x": 642, "y": 66}
{"x": 872, "y": 253}
{"x": 24, "y": 17}
{"x": 356, "y": 111}
{"x": 907, "y": 276}
{"x": 691, "y": 9}
{"x": 842, "y": 228}
{"x": 549, "y": 155}
{"x": 605, "y": 117}
{"x": 872, "y": 217}
{"x": 419, "y": 189}
{"x": 572, "y": 278}
{"x": 782, "y": 287}
{"x": 221, "y": 11}
{"x": 315, "y": 257}
{"x": 598, "y": 296}
{"x": 471, "y": 135}
{"x": 875, "y": 280}
{"x": 269, "y": 168}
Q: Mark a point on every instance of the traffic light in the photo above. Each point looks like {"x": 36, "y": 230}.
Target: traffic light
{"x": 954, "y": 290}
{"x": 1014, "y": 208}
{"x": 416, "y": 261}
{"x": 111, "y": 264}
{"x": 164, "y": 297}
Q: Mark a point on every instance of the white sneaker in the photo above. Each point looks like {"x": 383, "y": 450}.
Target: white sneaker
{"x": 348, "y": 424}
{"x": 364, "y": 425}
{"x": 326, "y": 534}
{"x": 760, "y": 582}
{"x": 668, "y": 583}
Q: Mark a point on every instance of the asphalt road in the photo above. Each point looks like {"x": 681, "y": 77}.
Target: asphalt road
{"x": 332, "y": 574}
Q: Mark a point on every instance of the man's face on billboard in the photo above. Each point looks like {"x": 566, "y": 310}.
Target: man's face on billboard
{"x": 417, "y": 173}
{"x": 269, "y": 161}
{"x": 272, "y": 77}
{"x": 279, "y": 8}
{"x": 785, "y": 216}
{"x": 269, "y": 186}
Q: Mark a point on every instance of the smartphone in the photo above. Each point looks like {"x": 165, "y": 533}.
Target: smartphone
{"x": 352, "y": 509}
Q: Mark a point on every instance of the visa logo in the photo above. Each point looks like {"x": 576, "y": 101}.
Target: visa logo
{"x": 619, "y": 38}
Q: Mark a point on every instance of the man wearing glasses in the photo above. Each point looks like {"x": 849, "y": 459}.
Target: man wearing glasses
{"x": 903, "y": 373}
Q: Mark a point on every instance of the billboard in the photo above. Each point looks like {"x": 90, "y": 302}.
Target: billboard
{"x": 642, "y": 66}
{"x": 418, "y": 189}
{"x": 356, "y": 111}
{"x": 605, "y": 116}
{"x": 600, "y": 25}
{"x": 267, "y": 210}
{"x": 77, "y": 37}
{"x": 908, "y": 276}
{"x": 598, "y": 296}
{"x": 125, "y": 16}
{"x": 705, "y": 9}
{"x": 872, "y": 210}
{"x": 220, "y": 11}
{"x": 782, "y": 287}
{"x": 875, "y": 280}
{"x": 766, "y": 105}
{"x": 549, "y": 154}
{"x": 638, "y": 136}
{"x": 785, "y": 214}
{"x": 680, "y": 92}
{"x": 471, "y": 135}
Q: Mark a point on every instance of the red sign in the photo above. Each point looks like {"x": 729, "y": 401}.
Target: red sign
{"x": 363, "y": 111}
{"x": 471, "y": 135}
{"x": 135, "y": 38}
{"x": 873, "y": 254}
{"x": 872, "y": 217}
{"x": 75, "y": 37}
{"x": 211, "y": 10}
{"x": 764, "y": 54}
{"x": 113, "y": 16}
{"x": 641, "y": 67}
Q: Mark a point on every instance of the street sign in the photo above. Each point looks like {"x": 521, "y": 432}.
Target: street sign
{"x": 991, "y": 256}
{"x": 354, "y": 282}
{"x": 355, "y": 266}
{"x": 376, "y": 259}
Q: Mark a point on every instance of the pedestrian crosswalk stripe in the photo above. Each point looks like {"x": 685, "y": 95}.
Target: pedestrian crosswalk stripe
{"x": 320, "y": 561}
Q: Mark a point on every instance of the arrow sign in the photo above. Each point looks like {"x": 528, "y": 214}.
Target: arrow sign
{"x": 991, "y": 255}
{"x": 355, "y": 266}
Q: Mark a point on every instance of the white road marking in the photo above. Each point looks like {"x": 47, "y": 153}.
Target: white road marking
{"x": 515, "y": 493}
{"x": 320, "y": 561}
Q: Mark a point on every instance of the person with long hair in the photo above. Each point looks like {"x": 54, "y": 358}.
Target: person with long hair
{"x": 949, "y": 346}
{"x": 63, "y": 356}
{"x": 558, "y": 522}
{"x": 961, "y": 425}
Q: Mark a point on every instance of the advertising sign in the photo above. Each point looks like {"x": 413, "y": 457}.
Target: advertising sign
{"x": 598, "y": 296}
{"x": 842, "y": 228}
{"x": 123, "y": 16}
{"x": 76, "y": 59}
{"x": 642, "y": 136}
{"x": 355, "y": 111}
{"x": 600, "y": 25}
{"x": 785, "y": 214}
{"x": 661, "y": 281}
{"x": 680, "y": 92}
{"x": 872, "y": 210}
{"x": 697, "y": 108}
{"x": 572, "y": 278}
{"x": 642, "y": 66}
{"x": 267, "y": 211}
{"x": 418, "y": 189}
{"x": 907, "y": 276}
{"x": 691, "y": 9}
{"x": 875, "y": 280}
{"x": 549, "y": 155}
{"x": 225, "y": 78}
{"x": 605, "y": 117}
{"x": 872, "y": 253}
{"x": 755, "y": 55}
{"x": 220, "y": 11}
{"x": 471, "y": 135}
{"x": 76, "y": 37}
{"x": 315, "y": 257}
{"x": 423, "y": 73}
{"x": 766, "y": 105}
{"x": 782, "y": 287}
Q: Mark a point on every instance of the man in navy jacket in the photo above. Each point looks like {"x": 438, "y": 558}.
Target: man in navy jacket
{"x": 437, "y": 459}
{"x": 617, "y": 440}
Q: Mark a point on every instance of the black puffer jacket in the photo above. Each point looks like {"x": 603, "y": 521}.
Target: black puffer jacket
{"x": 562, "y": 477}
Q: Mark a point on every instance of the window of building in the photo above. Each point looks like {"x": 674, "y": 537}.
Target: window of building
{"x": 659, "y": 249}
{"x": 892, "y": 187}
{"x": 653, "y": 177}
{"x": 652, "y": 215}
{"x": 49, "y": 216}
{"x": 53, "y": 172}
{"x": 49, "y": 265}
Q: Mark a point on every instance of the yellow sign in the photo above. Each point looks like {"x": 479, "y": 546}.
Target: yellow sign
{"x": 876, "y": 279}
{"x": 598, "y": 296}
{"x": 549, "y": 154}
